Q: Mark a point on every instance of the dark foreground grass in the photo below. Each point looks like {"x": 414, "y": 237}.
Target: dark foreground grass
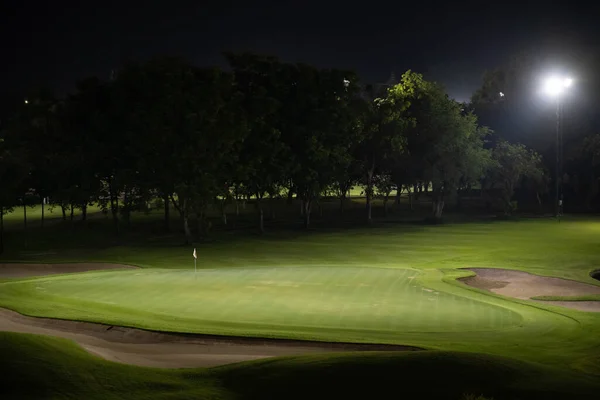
{"x": 35, "y": 367}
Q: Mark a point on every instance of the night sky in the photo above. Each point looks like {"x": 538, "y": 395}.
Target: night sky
{"x": 57, "y": 43}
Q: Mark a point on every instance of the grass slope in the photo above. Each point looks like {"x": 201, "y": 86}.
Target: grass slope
{"x": 61, "y": 370}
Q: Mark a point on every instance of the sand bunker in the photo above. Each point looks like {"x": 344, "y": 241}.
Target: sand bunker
{"x": 163, "y": 350}
{"x": 29, "y": 270}
{"x": 522, "y": 285}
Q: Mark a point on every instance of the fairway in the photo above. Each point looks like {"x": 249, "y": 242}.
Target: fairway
{"x": 354, "y": 298}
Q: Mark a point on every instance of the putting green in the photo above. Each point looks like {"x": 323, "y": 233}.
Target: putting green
{"x": 258, "y": 299}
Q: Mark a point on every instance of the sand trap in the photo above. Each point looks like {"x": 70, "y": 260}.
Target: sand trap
{"x": 29, "y": 270}
{"x": 522, "y": 285}
{"x": 163, "y": 350}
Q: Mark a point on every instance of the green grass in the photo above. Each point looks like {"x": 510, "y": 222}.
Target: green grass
{"x": 292, "y": 301}
{"x": 34, "y": 213}
{"x": 37, "y": 367}
{"x": 338, "y": 285}
{"x": 589, "y": 297}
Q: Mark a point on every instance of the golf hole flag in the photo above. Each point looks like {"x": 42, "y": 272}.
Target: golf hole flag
{"x": 195, "y": 257}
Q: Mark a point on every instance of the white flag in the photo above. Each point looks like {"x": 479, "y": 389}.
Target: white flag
{"x": 195, "y": 253}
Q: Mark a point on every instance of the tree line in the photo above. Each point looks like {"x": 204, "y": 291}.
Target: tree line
{"x": 201, "y": 137}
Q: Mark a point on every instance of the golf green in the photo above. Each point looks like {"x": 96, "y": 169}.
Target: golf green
{"x": 215, "y": 300}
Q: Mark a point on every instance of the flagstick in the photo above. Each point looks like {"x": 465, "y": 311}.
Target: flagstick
{"x": 195, "y": 259}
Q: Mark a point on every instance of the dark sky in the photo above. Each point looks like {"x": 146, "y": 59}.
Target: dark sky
{"x": 453, "y": 42}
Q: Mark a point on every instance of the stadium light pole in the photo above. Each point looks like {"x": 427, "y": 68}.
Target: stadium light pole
{"x": 555, "y": 87}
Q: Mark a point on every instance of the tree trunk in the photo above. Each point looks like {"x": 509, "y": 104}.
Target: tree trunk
{"x": 272, "y": 206}
{"x": 64, "y": 211}
{"x": 290, "y": 196}
{"x": 186, "y": 229}
{"x": 261, "y": 216}
{"x": 1, "y": 229}
{"x": 410, "y": 198}
{"x": 167, "y": 213}
{"x": 320, "y": 208}
{"x": 223, "y": 213}
{"x": 438, "y": 208}
{"x": 398, "y": 194}
{"x": 385, "y": 208}
{"x": 437, "y": 201}
{"x": 369, "y": 195}
{"x": 71, "y": 216}
{"x": 342, "y": 200}
{"x": 25, "y": 221}
{"x": 237, "y": 207}
{"x": 302, "y": 208}
{"x": 84, "y": 208}
{"x": 369, "y": 191}
{"x": 43, "y": 206}
{"x": 126, "y": 207}
{"x": 261, "y": 219}
{"x": 306, "y": 212}
{"x": 114, "y": 206}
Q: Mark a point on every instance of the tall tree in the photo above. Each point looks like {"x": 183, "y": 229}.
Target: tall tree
{"x": 315, "y": 103}
{"x": 264, "y": 157}
{"x": 445, "y": 139}
{"x": 511, "y": 163}
{"x": 383, "y": 136}
{"x": 13, "y": 175}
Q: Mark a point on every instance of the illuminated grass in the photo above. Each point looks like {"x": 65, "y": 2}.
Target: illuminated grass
{"x": 224, "y": 300}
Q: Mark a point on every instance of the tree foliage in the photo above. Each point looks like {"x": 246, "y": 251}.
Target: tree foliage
{"x": 512, "y": 163}
{"x": 202, "y": 137}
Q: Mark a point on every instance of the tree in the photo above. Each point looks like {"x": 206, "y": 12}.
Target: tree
{"x": 264, "y": 157}
{"x": 446, "y": 141}
{"x": 13, "y": 173}
{"x": 383, "y": 138}
{"x": 384, "y": 185}
{"x": 584, "y": 157}
{"x": 315, "y": 104}
{"x": 513, "y": 162}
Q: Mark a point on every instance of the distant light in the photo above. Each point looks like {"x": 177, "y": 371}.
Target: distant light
{"x": 346, "y": 82}
{"x": 26, "y": 101}
{"x": 501, "y": 94}
{"x": 554, "y": 86}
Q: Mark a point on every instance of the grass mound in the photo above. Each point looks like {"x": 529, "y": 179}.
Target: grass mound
{"x": 37, "y": 367}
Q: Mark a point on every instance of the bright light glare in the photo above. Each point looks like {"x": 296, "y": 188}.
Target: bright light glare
{"x": 26, "y": 101}
{"x": 554, "y": 86}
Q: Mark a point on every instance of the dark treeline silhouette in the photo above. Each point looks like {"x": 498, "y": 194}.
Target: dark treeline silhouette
{"x": 200, "y": 138}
